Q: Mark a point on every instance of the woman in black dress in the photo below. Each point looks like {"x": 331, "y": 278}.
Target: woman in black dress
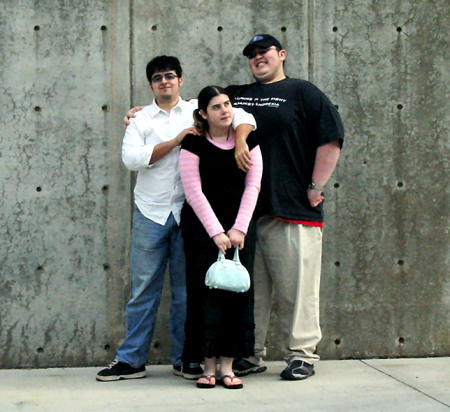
{"x": 217, "y": 215}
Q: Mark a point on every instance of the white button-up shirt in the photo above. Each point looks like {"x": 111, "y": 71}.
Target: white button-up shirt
{"x": 158, "y": 191}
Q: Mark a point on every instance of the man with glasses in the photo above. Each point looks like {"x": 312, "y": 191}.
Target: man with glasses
{"x": 300, "y": 134}
{"x": 151, "y": 147}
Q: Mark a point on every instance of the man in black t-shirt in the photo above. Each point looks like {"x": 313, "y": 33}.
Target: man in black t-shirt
{"x": 300, "y": 134}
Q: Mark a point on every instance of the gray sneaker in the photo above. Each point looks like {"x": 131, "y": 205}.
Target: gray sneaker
{"x": 243, "y": 367}
{"x": 297, "y": 370}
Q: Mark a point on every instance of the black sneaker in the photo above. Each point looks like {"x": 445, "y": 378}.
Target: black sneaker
{"x": 176, "y": 370}
{"x": 120, "y": 370}
{"x": 243, "y": 367}
{"x": 297, "y": 370}
{"x": 192, "y": 370}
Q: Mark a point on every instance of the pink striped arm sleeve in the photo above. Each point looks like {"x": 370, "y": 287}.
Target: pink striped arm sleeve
{"x": 190, "y": 177}
{"x": 251, "y": 191}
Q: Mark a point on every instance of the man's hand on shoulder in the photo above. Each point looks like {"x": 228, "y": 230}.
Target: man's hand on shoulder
{"x": 242, "y": 155}
{"x": 161, "y": 149}
{"x": 190, "y": 130}
{"x": 131, "y": 114}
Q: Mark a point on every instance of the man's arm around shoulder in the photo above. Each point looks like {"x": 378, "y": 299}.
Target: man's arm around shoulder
{"x": 161, "y": 149}
{"x": 136, "y": 153}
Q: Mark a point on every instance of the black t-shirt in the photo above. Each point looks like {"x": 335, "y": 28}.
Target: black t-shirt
{"x": 222, "y": 182}
{"x": 293, "y": 118}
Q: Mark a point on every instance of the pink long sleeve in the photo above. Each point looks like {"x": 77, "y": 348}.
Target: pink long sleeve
{"x": 251, "y": 191}
{"x": 190, "y": 177}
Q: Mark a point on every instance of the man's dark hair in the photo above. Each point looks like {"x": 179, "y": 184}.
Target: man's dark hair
{"x": 161, "y": 63}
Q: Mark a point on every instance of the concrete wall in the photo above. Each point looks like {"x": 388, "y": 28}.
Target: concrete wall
{"x": 68, "y": 72}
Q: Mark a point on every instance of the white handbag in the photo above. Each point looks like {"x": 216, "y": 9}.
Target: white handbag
{"x": 228, "y": 274}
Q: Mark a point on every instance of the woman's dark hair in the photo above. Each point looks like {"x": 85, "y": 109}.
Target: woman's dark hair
{"x": 161, "y": 63}
{"x": 204, "y": 97}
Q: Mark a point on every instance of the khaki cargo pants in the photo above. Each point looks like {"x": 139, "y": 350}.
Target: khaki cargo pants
{"x": 287, "y": 272}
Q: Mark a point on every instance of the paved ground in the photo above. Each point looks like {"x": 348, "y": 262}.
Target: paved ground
{"x": 351, "y": 385}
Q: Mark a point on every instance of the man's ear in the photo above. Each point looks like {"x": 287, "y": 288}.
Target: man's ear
{"x": 180, "y": 81}
{"x": 282, "y": 53}
{"x": 150, "y": 87}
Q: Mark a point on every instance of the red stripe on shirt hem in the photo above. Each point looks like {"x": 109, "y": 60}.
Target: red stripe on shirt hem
{"x": 301, "y": 222}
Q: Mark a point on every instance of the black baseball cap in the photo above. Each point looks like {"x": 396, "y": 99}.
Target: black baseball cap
{"x": 261, "y": 40}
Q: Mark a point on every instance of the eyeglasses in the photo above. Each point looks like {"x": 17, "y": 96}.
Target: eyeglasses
{"x": 159, "y": 77}
{"x": 259, "y": 50}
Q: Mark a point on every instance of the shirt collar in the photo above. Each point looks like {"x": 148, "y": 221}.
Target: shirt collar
{"x": 154, "y": 109}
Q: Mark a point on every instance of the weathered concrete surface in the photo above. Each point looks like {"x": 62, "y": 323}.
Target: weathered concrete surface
{"x": 68, "y": 72}
{"x": 385, "y": 289}
{"x": 384, "y": 385}
{"x": 58, "y": 170}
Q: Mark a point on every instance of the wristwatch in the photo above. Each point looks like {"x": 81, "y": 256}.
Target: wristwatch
{"x": 313, "y": 186}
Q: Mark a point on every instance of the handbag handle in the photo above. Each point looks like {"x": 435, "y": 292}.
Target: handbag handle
{"x": 236, "y": 255}
{"x": 221, "y": 256}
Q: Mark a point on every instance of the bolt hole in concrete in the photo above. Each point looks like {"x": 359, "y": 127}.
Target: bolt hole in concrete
{"x": 37, "y": 109}
{"x": 364, "y": 162}
{"x": 105, "y": 188}
{"x": 36, "y": 28}
{"x": 107, "y": 347}
{"x": 399, "y": 106}
{"x": 106, "y": 266}
{"x": 337, "y": 263}
{"x": 399, "y": 29}
{"x": 38, "y": 189}
{"x": 400, "y": 184}
{"x": 39, "y": 268}
{"x": 335, "y": 29}
{"x": 400, "y": 262}
{"x": 336, "y": 185}
{"x": 220, "y": 28}
{"x": 105, "y": 107}
{"x": 401, "y": 340}
{"x": 156, "y": 345}
{"x": 155, "y": 27}
{"x": 283, "y": 29}
{"x": 40, "y": 350}
{"x": 337, "y": 342}
{"x": 103, "y": 28}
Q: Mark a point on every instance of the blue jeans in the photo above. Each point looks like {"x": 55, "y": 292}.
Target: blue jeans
{"x": 152, "y": 246}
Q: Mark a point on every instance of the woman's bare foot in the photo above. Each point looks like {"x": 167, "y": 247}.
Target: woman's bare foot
{"x": 206, "y": 381}
{"x": 231, "y": 382}
{"x": 227, "y": 378}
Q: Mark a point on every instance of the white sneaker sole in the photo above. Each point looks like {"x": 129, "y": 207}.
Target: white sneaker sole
{"x": 136, "y": 375}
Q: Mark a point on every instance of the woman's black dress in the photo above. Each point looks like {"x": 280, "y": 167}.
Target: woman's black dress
{"x": 218, "y": 323}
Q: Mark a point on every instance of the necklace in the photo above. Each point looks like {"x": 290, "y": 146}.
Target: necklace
{"x": 217, "y": 138}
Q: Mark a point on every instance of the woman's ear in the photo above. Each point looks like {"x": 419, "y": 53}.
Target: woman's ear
{"x": 203, "y": 114}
